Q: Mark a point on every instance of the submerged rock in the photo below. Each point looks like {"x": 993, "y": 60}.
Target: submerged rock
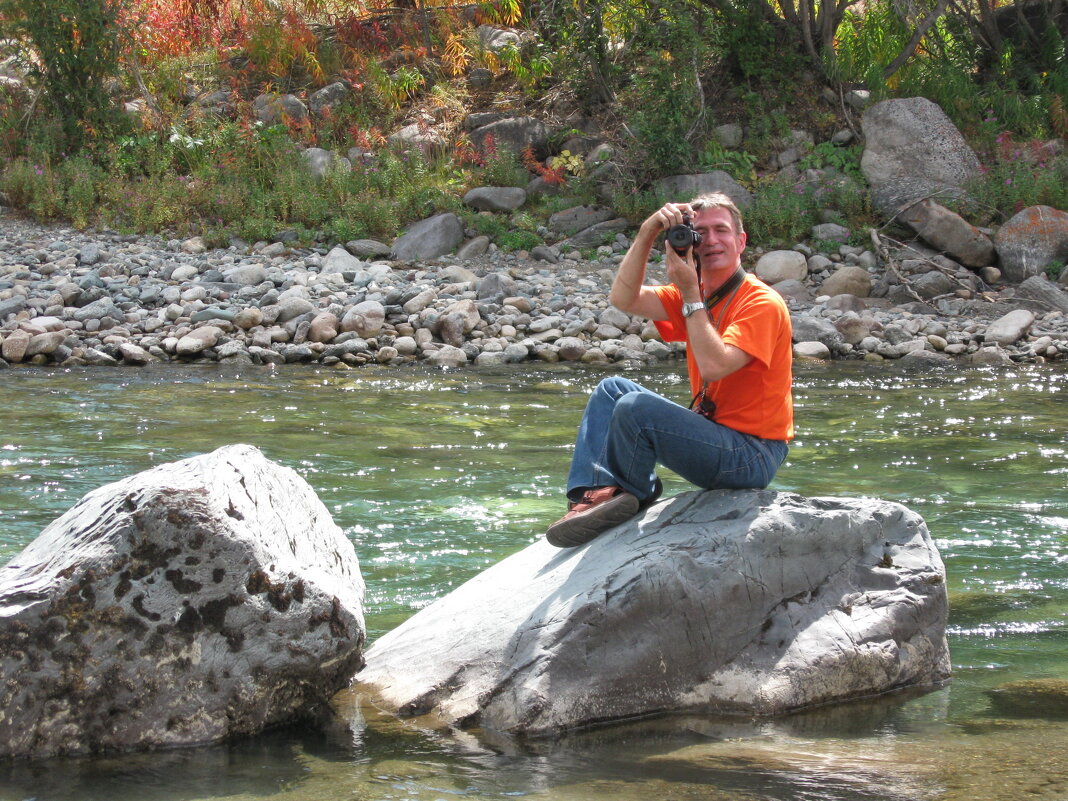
{"x": 200, "y": 600}
{"x": 750, "y": 602}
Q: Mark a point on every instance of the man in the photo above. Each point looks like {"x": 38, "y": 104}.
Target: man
{"x": 739, "y": 358}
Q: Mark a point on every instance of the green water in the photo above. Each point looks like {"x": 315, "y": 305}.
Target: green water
{"x": 436, "y": 475}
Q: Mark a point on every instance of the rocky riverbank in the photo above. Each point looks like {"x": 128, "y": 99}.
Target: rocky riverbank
{"x": 72, "y": 298}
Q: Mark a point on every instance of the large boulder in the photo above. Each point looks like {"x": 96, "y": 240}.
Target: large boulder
{"x": 430, "y": 238}
{"x": 1034, "y": 238}
{"x": 751, "y": 602}
{"x": 196, "y": 601}
{"x": 912, "y": 151}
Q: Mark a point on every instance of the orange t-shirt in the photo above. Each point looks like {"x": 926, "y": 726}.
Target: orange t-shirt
{"x": 756, "y": 399}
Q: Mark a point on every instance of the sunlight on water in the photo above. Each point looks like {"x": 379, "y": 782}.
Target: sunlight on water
{"x": 434, "y": 476}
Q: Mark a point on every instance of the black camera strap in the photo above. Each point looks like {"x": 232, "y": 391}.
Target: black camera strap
{"x": 707, "y": 408}
{"x": 728, "y": 288}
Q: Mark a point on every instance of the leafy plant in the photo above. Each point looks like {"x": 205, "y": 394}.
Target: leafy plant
{"x": 739, "y": 164}
{"x": 845, "y": 160}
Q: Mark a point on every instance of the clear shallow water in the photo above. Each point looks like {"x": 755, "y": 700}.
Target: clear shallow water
{"x": 435, "y": 476}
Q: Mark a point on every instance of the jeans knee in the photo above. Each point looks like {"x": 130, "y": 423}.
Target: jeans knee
{"x": 634, "y": 409}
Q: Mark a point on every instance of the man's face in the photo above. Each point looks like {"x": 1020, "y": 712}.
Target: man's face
{"x": 721, "y": 245}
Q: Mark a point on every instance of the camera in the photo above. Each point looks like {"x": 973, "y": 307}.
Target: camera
{"x": 684, "y": 236}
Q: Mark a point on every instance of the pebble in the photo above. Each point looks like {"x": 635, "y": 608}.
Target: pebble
{"x": 81, "y": 298}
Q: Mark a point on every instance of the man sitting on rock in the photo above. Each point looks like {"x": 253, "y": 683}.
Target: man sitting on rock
{"x": 738, "y": 355}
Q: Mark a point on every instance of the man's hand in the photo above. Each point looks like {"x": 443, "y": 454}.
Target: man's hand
{"x": 682, "y": 272}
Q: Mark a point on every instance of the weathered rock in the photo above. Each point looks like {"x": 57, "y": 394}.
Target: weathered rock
{"x": 514, "y": 134}
{"x": 430, "y": 238}
{"x": 913, "y": 150}
{"x": 328, "y": 97}
{"x": 1010, "y": 328}
{"x": 473, "y": 248}
{"x": 45, "y": 343}
{"x": 781, "y": 265}
{"x": 416, "y": 135}
{"x": 815, "y": 329}
{"x": 321, "y": 162}
{"x": 596, "y": 234}
{"x": 15, "y": 345}
{"x": 812, "y": 350}
{"x": 496, "y": 39}
{"x": 950, "y": 233}
{"x": 367, "y": 248}
{"x": 339, "y": 260}
{"x": 1032, "y": 239}
{"x": 1047, "y": 294}
{"x": 272, "y": 109}
{"x": 682, "y": 188}
{"x": 831, "y": 232}
{"x": 570, "y": 221}
{"x": 751, "y": 602}
{"x": 246, "y": 275}
{"x": 198, "y": 340}
{"x": 495, "y": 198}
{"x": 324, "y": 327}
{"x": 848, "y": 280}
{"x": 135, "y": 354}
{"x": 448, "y": 356}
{"x": 365, "y": 318}
{"x": 197, "y": 601}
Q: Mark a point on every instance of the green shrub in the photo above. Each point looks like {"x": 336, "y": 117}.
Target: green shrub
{"x": 73, "y": 48}
{"x": 518, "y": 240}
{"x": 780, "y": 215}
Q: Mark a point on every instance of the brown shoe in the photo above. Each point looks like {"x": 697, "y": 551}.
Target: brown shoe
{"x": 598, "y": 510}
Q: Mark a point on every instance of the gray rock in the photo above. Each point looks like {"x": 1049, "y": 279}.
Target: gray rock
{"x": 848, "y": 280}
{"x": 729, "y": 135}
{"x": 448, "y": 356}
{"x": 365, "y": 318}
{"x": 1010, "y": 328}
{"x": 417, "y": 136}
{"x": 292, "y": 307}
{"x": 11, "y": 306}
{"x": 473, "y": 248}
{"x": 198, "y": 340}
{"x": 14, "y": 346}
{"x": 544, "y": 253}
{"x": 792, "y": 289}
{"x": 913, "y": 150}
{"x": 932, "y": 284}
{"x": 368, "y": 248}
{"x": 322, "y": 162}
{"x": 950, "y": 233}
{"x": 831, "y": 232}
{"x": 514, "y": 134}
{"x": 496, "y": 287}
{"x": 97, "y": 310}
{"x": 197, "y": 601}
{"x": 273, "y": 109}
{"x": 246, "y": 275}
{"x": 680, "y": 188}
{"x": 816, "y": 329}
{"x": 328, "y": 97}
{"x": 1032, "y": 239}
{"x": 812, "y": 350}
{"x": 430, "y": 238}
{"x": 495, "y": 198}
{"x": 1047, "y": 294}
{"x": 90, "y": 254}
{"x": 743, "y": 602}
{"x": 597, "y": 234}
{"x": 340, "y": 260}
{"x": 496, "y": 39}
{"x": 570, "y": 221}
{"x": 781, "y": 265}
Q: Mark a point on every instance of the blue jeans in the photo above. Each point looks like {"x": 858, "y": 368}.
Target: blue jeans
{"x": 627, "y": 429}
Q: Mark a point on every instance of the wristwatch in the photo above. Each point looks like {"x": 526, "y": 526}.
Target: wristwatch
{"x": 690, "y": 308}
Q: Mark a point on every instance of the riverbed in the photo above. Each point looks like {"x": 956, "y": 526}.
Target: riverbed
{"x": 436, "y": 475}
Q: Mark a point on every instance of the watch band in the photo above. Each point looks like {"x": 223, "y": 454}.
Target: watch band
{"x": 690, "y": 308}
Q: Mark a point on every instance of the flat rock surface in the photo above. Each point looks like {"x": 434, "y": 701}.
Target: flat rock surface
{"x": 750, "y": 602}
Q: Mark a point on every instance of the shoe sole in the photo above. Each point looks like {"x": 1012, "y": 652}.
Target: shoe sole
{"x": 585, "y": 526}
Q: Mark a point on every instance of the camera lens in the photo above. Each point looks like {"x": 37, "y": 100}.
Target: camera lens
{"x": 682, "y": 237}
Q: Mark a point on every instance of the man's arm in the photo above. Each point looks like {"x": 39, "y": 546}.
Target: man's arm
{"x": 629, "y": 292}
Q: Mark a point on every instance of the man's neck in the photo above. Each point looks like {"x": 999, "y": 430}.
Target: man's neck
{"x": 712, "y": 280}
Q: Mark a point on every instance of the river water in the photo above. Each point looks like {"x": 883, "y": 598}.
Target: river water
{"x": 435, "y": 476}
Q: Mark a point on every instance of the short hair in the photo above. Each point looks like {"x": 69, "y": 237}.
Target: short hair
{"x": 718, "y": 200}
